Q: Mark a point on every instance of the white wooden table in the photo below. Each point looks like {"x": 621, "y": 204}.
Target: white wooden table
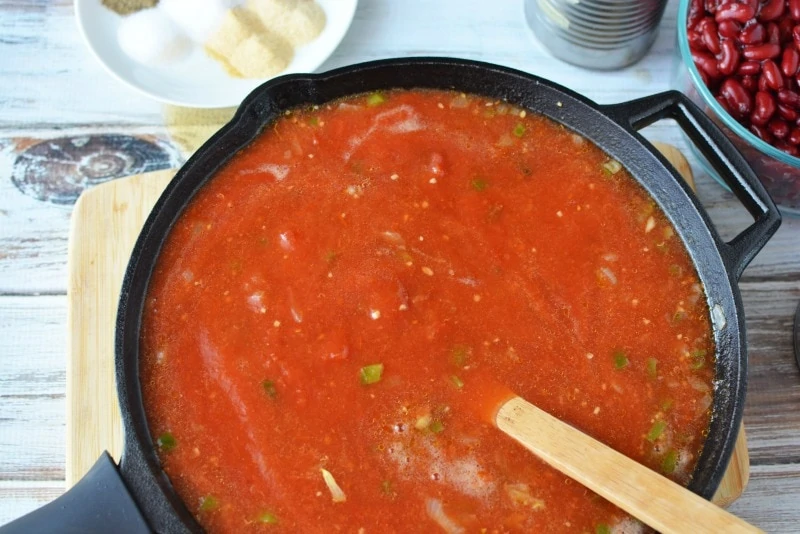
{"x": 51, "y": 87}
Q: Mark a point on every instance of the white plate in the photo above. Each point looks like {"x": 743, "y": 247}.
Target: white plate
{"x": 199, "y": 81}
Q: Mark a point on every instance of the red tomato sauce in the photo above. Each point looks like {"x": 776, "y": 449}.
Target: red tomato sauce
{"x": 350, "y": 287}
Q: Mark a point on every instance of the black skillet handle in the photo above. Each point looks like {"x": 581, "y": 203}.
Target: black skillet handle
{"x": 725, "y": 159}
{"x": 98, "y": 503}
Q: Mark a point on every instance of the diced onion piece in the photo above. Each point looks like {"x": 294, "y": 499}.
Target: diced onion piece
{"x": 459, "y": 102}
{"x": 336, "y": 492}
{"x": 609, "y": 275}
{"x": 612, "y": 166}
{"x": 393, "y": 238}
{"x": 505, "y": 140}
{"x": 698, "y": 384}
{"x": 436, "y": 512}
{"x": 423, "y": 422}
{"x": 520, "y": 494}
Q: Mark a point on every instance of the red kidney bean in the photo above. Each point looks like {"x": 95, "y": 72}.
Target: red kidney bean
{"x": 753, "y": 34}
{"x": 750, "y": 83}
{"x": 773, "y": 33}
{"x": 728, "y": 58}
{"x": 794, "y": 136}
{"x": 790, "y": 61}
{"x": 711, "y": 6}
{"x": 707, "y": 63}
{"x": 748, "y": 68}
{"x": 748, "y": 54}
{"x": 789, "y": 98}
{"x": 704, "y": 77}
{"x": 794, "y": 9}
{"x": 772, "y": 74}
{"x": 751, "y": 3}
{"x": 778, "y": 127}
{"x": 722, "y": 102}
{"x": 762, "y": 133}
{"x": 762, "y": 51}
{"x": 739, "y": 12}
{"x": 787, "y": 113}
{"x": 762, "y": 84}
{"x": 729, "y": 29}
{"x": 696, "y": 13}
{"x": 695, "y": 39}
{"x": 739, "y": 100}
{"x": 709, "y": 35}
{"x": 789, "y": 149}
{"x": 785, "y": 29}
{"x": 764, "y": 108}
{"x": 771, "y": 10}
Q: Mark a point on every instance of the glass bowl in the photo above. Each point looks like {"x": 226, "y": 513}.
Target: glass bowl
{"x": 777, "y": 170}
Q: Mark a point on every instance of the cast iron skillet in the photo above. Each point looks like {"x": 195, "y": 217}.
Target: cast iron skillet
{"x": 138, "y": 494}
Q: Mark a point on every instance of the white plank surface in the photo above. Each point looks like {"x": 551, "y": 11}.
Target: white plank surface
{"x": 51, "y": 87}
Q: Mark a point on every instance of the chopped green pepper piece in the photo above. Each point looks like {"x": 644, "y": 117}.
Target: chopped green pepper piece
{"x": 457, "y": 382}
{"x": 679, "y": 316}
{"x": 375, "y": 99}
{"x": 461, "y": 355}
{"x": 166, "y": 442}
{"x": 269, "y": 389}
{"x": 666, "y": 405}
{"x": 313, "y": 121}
{"x": 436, "y": 427}
{"x": 602, "y": 528}
{"x": 268, "y": 518}
{"x": 479, "y": 184}
{"x": 656, "y": 430}
{"x": 621, "y": 360}
{"x": 670, "y": 462}
{"x": 698, "y": 359}
{"x": 519, "y": 129}
{"x": 208, "y": 503}
{"x": 652, "y": 367}
{"x": 331, "y": 256}
{"x": 371, "y": 374}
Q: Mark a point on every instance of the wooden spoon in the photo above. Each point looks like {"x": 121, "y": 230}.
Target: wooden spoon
{"x": 655, "y": 500}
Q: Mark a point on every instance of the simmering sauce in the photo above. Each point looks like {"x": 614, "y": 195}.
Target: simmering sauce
{"x": 330, "y": 306}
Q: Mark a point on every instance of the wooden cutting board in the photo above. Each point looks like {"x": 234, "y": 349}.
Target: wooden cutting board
{"x": 105, "y": 224}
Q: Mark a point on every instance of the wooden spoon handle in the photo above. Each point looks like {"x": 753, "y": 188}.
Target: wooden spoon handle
{"x": 643, "y": 493}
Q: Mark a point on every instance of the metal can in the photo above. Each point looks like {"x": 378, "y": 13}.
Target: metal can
{"x": 596, "y": 34}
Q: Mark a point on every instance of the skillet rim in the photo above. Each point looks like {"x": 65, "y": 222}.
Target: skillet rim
{"x": 140, "y": 465}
